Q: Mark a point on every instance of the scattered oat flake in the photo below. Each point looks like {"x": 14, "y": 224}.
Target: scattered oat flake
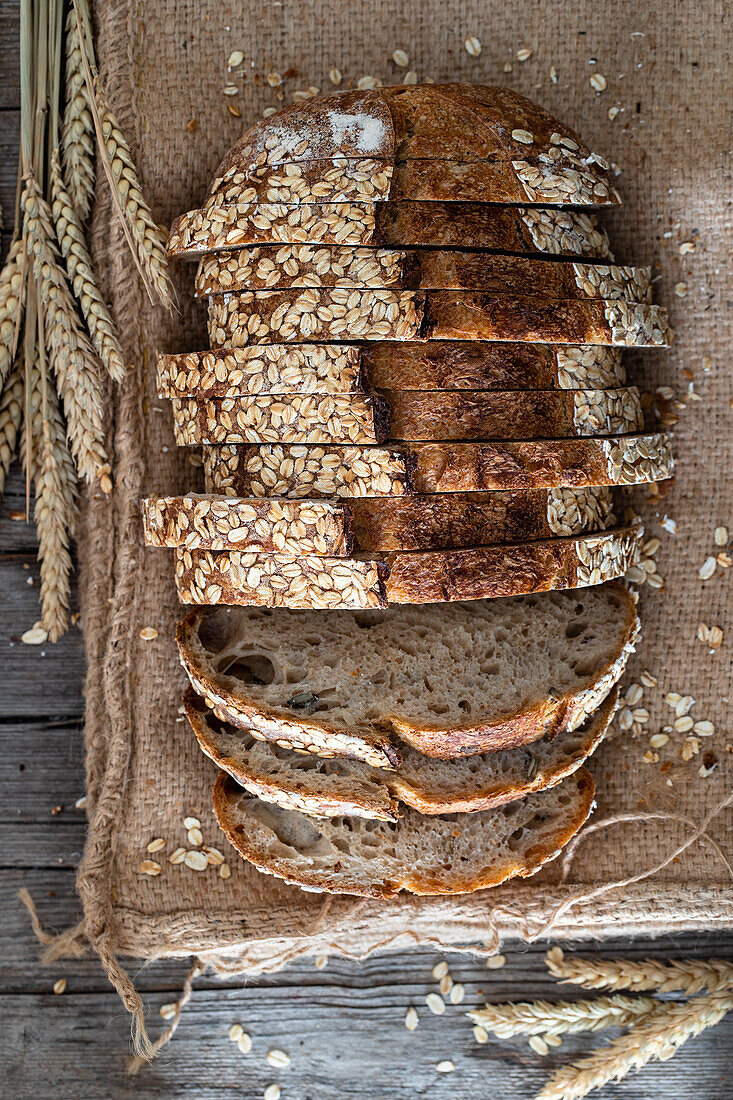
{"x": 598, "y": 83}
{"x": 670, "y": 525}
{"x": 155, "y": 845}
{"x": 236, "y": 57}
{"x": 445, "y": 1066}
{"x": 457, "y": 994}
{"x": 648, "y": 680}
{"x": 148, "y": 633}
{"x": 230, "y": 89}
{"x": 400, "y": 58}
{"x": 480, "y": 1034}
{"x": 272, "y": 1092}
{"x": 495, "y": 962}
{"x": 507, "y": 66}
{"x": 81, "y": 803}
{"x": 149, "y": 867}
{"x": 435, "y": 1003}
{"x": 410, "y": 78}
{"x": 524, "y": 137}
{"x": 707, "y": 569}
{"x": 178, "y": 856}
{"x": 440, "y": 970}
{"x": 553, "y": 74}
{"x": 538, "y": 1044}
{"x": 613, "y": 112}
{"x": 657, "y": 740}
{"x": 335, "y": 76}
{"x": 321, "y": 962}
{"x": 213, "y": 856}
{"x": 225, "y": 871}
{"x": 368, "y": 82}
{"x": 269, "y": 112}
{"x": 720, "y": 536}
{"x": 235, "y": 1032}
{"x": 715, "y": 638}
{"x": 35, "y": 636}
{"x": 274, "y": 80}
{"x": 59, "y": 986}
{"x": 191, "y": 823}
{"x": 523, "y": 55}
{"x": 192, "y": 125}
{"x": 680, "y": 289}
{"x": 704, "y": 728}
{"x": 687, "y": 246}
{"x": 472, "y": 46}
{"x": 446, "y": 984}
{"x": 168, "y": 1011}
{"x": 278, "y": 1058}
{"x": 553, "y": 1040}
{"x": 724, "y": 561}
{"x": 195, "y": 860}
{"x": 244, "y": 1043}
{"x": 650, "y": 757}
{"x": 411, "y": 1019}
{"x": 195, "y": 837}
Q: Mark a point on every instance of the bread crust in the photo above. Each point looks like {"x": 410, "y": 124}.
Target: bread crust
{"x": 545, "y": 717}
{"x": 343, "y": 368}
{"x": 408, "y": 415}
{"x": 304, "y": 316}
{"x": 390, "y": 224}
{"x": 244, "y": 833}
{"x": 269, "y": 267}
{"x": 384, "y": 792}
{"x": 347, "y": 472}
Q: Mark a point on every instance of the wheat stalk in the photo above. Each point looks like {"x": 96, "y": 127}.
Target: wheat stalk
{"x": 54, "y": 481}
{"x": 656, "y": 1036}
{"x": 72, "y": 356}
{"x": 77, "y": 135}
{"x": 79, "y": 266}
{"x": 11, "y": 414}
{"x": 674, "y": 976}
{"x": 562, "y": 1017}
{"x": 12, "y": 293}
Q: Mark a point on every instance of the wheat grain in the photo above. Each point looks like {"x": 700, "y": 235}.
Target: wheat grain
{"x": 79, "y": 266}
{"x": 656, "y": 1036}
{"x": 147, "y": 236}
{"x": 12, "y": 293}
{"x": 562, "y": 1017}
{"x": 72, "y": 356}
{"x": 54, "y": 482}
{"x": 11, "y": 413}
{"x": 672, "y": 976}
{"x": 77, "y": 133}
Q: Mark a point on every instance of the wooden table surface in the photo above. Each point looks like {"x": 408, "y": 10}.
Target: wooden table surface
{"x": 343, "y": 1026}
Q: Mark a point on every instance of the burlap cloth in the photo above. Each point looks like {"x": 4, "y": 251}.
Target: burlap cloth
{"x": 164, "y": 68}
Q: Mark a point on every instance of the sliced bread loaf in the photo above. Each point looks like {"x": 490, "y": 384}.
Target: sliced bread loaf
{"x": 379, "y": 579}
{"x": 299, "y": 471}
{"x": 419, "y": 854}
{"x": 435, "y": 522}
{"x": 267, "y": 267}
{"x": 390, "y": 225}
{"x": 449, "y": 680}
{"x": 330, "y": 787}
{"x": 417, "y": 415}
{"x": 303, "y": 316}
{"x": 344, "y": 368}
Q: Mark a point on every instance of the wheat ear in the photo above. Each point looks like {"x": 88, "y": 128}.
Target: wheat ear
{"x": 563, "y": 1017}
{"x": 656, "y": 1036}
{"x": 77, "y": 134}
{"x": 54, "y": 482}
{"x": 12, "y": 294}
{"x": 674, "y": 976}
{"x": 11, "y": 415}
{"x": 72, "y": 356}
{"x": 79, "y": 267}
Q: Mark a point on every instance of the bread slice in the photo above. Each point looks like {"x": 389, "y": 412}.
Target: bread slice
{"x": 404, "y": 576}
{"x": 305, "y": 316}
{"x": 390, "y": 225}
{"x": 418, "y": 854}
{"x": 449, "y": 680}
{"x": 328, "y": 787}
{"x": 434, "y": 522}
{"x": 417, "y": 415}
{"x": 344, "y": 368}
{"x": 299, "y": 471}
{"x": 269, "y": 267}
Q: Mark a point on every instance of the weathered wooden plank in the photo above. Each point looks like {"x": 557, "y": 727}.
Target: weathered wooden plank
{"x": 41, "y": 768}
{"x": 37, "y": 681}
{"x": 15, "y": 534}
{"x": 9, "y": 138}
{"x": 10, "y": 53}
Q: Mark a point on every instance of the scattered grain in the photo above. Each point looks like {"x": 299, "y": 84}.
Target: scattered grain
{"x": 446, "y": 984}
{"x": 235, "y": 1032}
{"x": 445, "y": 1067}
{"x": 236, "y": 57}
{"x": 687, "y": 246}
{"x": 155, "y": 845}
{"x": 435, "y": 1003}
{"x": 523, "y": 55}
{"x": 244, "y": 1043}
{"x": 272, "y": 1092}
{"x": 613, "y": 112}
{"x": 195, "y": 860}
{"x": 35, "y": 636}
{"x": 411, "y": 1019}
{"x": 472, "y": 46}
{"x": 400, "y": 58}
{"x": 225, "y": 871}
{"x": 480, "y": 1034}
{"x": 191, "y": 823}
{"x": 707, "y": 569}
{"x": 335, "y": 76}
{"x": 148, "y": 633}
{"x": 495, "y": 962}
{"x": 457, "y": 994}
{"x": 196, "y": 838}
{"x": 720, "y": 536}
{"x": 440, "y": 970}
{"x": 168, "y": 1011}
{"x": 149, "y": 867}
{"x": 59, "y": 986}
{"x": 680, "y": 290}
{"x": 598, "y": 82}
{"x": 538, "y": 1044}
{"x": 278, "y": 1059}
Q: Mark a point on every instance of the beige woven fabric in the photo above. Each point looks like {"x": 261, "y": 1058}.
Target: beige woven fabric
{"x": 164, "y": 67}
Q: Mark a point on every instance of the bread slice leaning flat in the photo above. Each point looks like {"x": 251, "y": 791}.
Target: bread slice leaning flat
{"x": 328, "y": 787}
{"x": 418, "y": 854}
{"x": 450, "y": 680}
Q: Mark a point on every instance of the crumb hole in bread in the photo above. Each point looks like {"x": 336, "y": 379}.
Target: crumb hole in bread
{"x": 312, "y": 639}
{"x": 574, "y": 630}
{"x": 439, "y": 708}
{"x": 464, "y": 705}
{"x": 251, "y": 668}
{"x": 490, "y": 668}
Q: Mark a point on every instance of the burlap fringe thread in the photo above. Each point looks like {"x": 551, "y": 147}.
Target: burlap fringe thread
{"x": 74, "y": 942}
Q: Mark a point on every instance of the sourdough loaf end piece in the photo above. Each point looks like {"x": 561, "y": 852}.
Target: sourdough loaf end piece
{"x": 418, "y": 854}
{"x": 329, "y": 787}
{"x": 415, "y": 415}
{"x": 300, "y": 472}
{"x": 450, "y": 680}
{"x": 435, "y": 522}
{"x": 410, "y": 576}
{"x": 391, "y": 225}
{"x": 342, "y": 368}
{"x": 304, "y": 316}
{"x": 270, "y": 267}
